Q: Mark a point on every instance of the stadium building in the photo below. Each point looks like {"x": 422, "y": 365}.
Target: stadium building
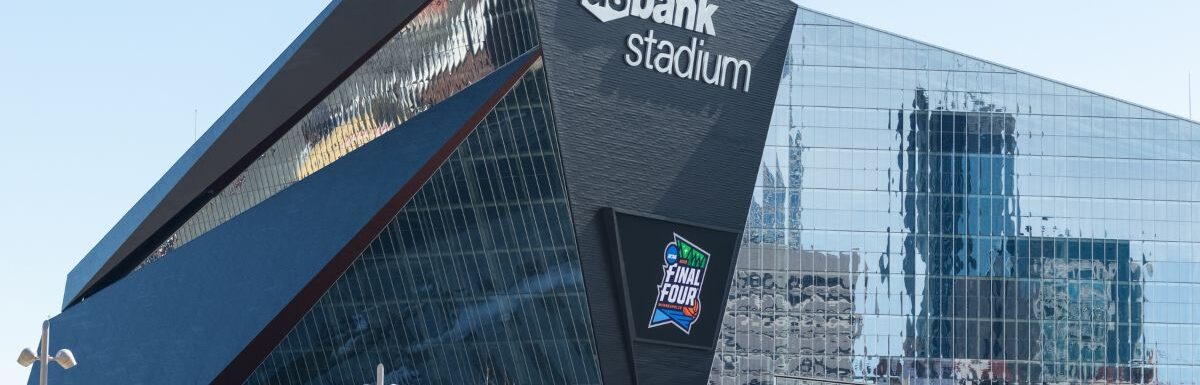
{"x": 649, "y": 192}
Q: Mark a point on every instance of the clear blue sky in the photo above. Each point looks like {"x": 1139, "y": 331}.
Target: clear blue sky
{"x": 98, "y": 98}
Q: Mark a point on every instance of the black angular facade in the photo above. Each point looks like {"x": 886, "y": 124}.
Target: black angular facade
{"x": 649, "y": 192}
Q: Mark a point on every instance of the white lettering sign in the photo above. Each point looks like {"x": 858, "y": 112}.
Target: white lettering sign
{"x": 694, "y": 15}
{"x": 685, "y": 61}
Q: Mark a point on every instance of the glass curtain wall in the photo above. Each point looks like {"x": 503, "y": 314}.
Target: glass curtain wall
{"x": 924, "y": 217}
{"x": 447, "y": 46}
{"x": 476, "y": 281}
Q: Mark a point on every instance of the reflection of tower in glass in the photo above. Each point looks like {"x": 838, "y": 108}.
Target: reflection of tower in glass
{"x": 993, "y": 301}
{"x": 960, "y": 200}
{"x": 767, "y": 219}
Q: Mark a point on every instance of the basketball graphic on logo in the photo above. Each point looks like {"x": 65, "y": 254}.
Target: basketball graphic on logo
{"x": 692, "y": 311}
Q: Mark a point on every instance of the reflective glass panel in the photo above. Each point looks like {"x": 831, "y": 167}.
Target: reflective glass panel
{"x": 476, "y": 281}
{"x": 444, "y": 48}
{"x": 924, "y": 217}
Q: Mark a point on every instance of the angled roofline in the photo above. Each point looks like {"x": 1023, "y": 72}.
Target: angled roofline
{"x": 1010, "y": 68}
{"x": 339, "y": 40}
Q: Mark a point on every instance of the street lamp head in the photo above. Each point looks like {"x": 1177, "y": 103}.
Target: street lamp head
{"x": 65, "y": 359}
{"x": 27, "y": 357}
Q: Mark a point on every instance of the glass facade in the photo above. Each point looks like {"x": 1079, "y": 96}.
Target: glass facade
{"x": 919, "y": 217}
{"x": 476, "y": 281}
{"x": 924, "y": 217}
{"x": 443, "y": 49}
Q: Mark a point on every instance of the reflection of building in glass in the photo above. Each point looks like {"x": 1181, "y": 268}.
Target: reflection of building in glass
{"x": 1065, "y": 314}
{"x": 1009, "y": 229}
{"x": 794, "y": 308}
{"x": 797, "y": 321}
{"x": 1085, "y": 303}
{"x": 959, "y": 203}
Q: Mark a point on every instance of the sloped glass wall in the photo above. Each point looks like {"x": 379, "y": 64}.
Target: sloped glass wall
{"x": 924, "y": 217}
{"x": 446, "y": 47}
{"x": 476, "y": 281}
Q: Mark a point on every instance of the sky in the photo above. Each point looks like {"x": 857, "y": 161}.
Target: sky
{"x": 100, "y": 98}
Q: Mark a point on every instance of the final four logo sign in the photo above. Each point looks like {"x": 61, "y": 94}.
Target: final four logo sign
{"x": 678, "y": 302}
{"x": 669, "y": 288}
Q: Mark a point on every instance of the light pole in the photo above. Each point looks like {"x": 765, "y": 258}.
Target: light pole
{"x": 64, "y": 358}
{"x": 379, "y": 375}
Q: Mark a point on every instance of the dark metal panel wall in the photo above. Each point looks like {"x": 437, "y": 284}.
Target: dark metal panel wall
{"x": 213, "y": 311}
{"x": 637, "y": 139}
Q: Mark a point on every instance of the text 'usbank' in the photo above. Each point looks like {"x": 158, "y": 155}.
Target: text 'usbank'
{"x": 687, "y": 60}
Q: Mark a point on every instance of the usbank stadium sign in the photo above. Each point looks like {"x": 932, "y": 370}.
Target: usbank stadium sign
{"x": 670, "y": 272}
{"x": 685, "y": 60}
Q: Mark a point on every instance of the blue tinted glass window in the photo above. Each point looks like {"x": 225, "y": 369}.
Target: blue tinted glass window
{"x": 926, "y": 217}
{"x": 476, "y": 280}
{"x": 444, "y": 48}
